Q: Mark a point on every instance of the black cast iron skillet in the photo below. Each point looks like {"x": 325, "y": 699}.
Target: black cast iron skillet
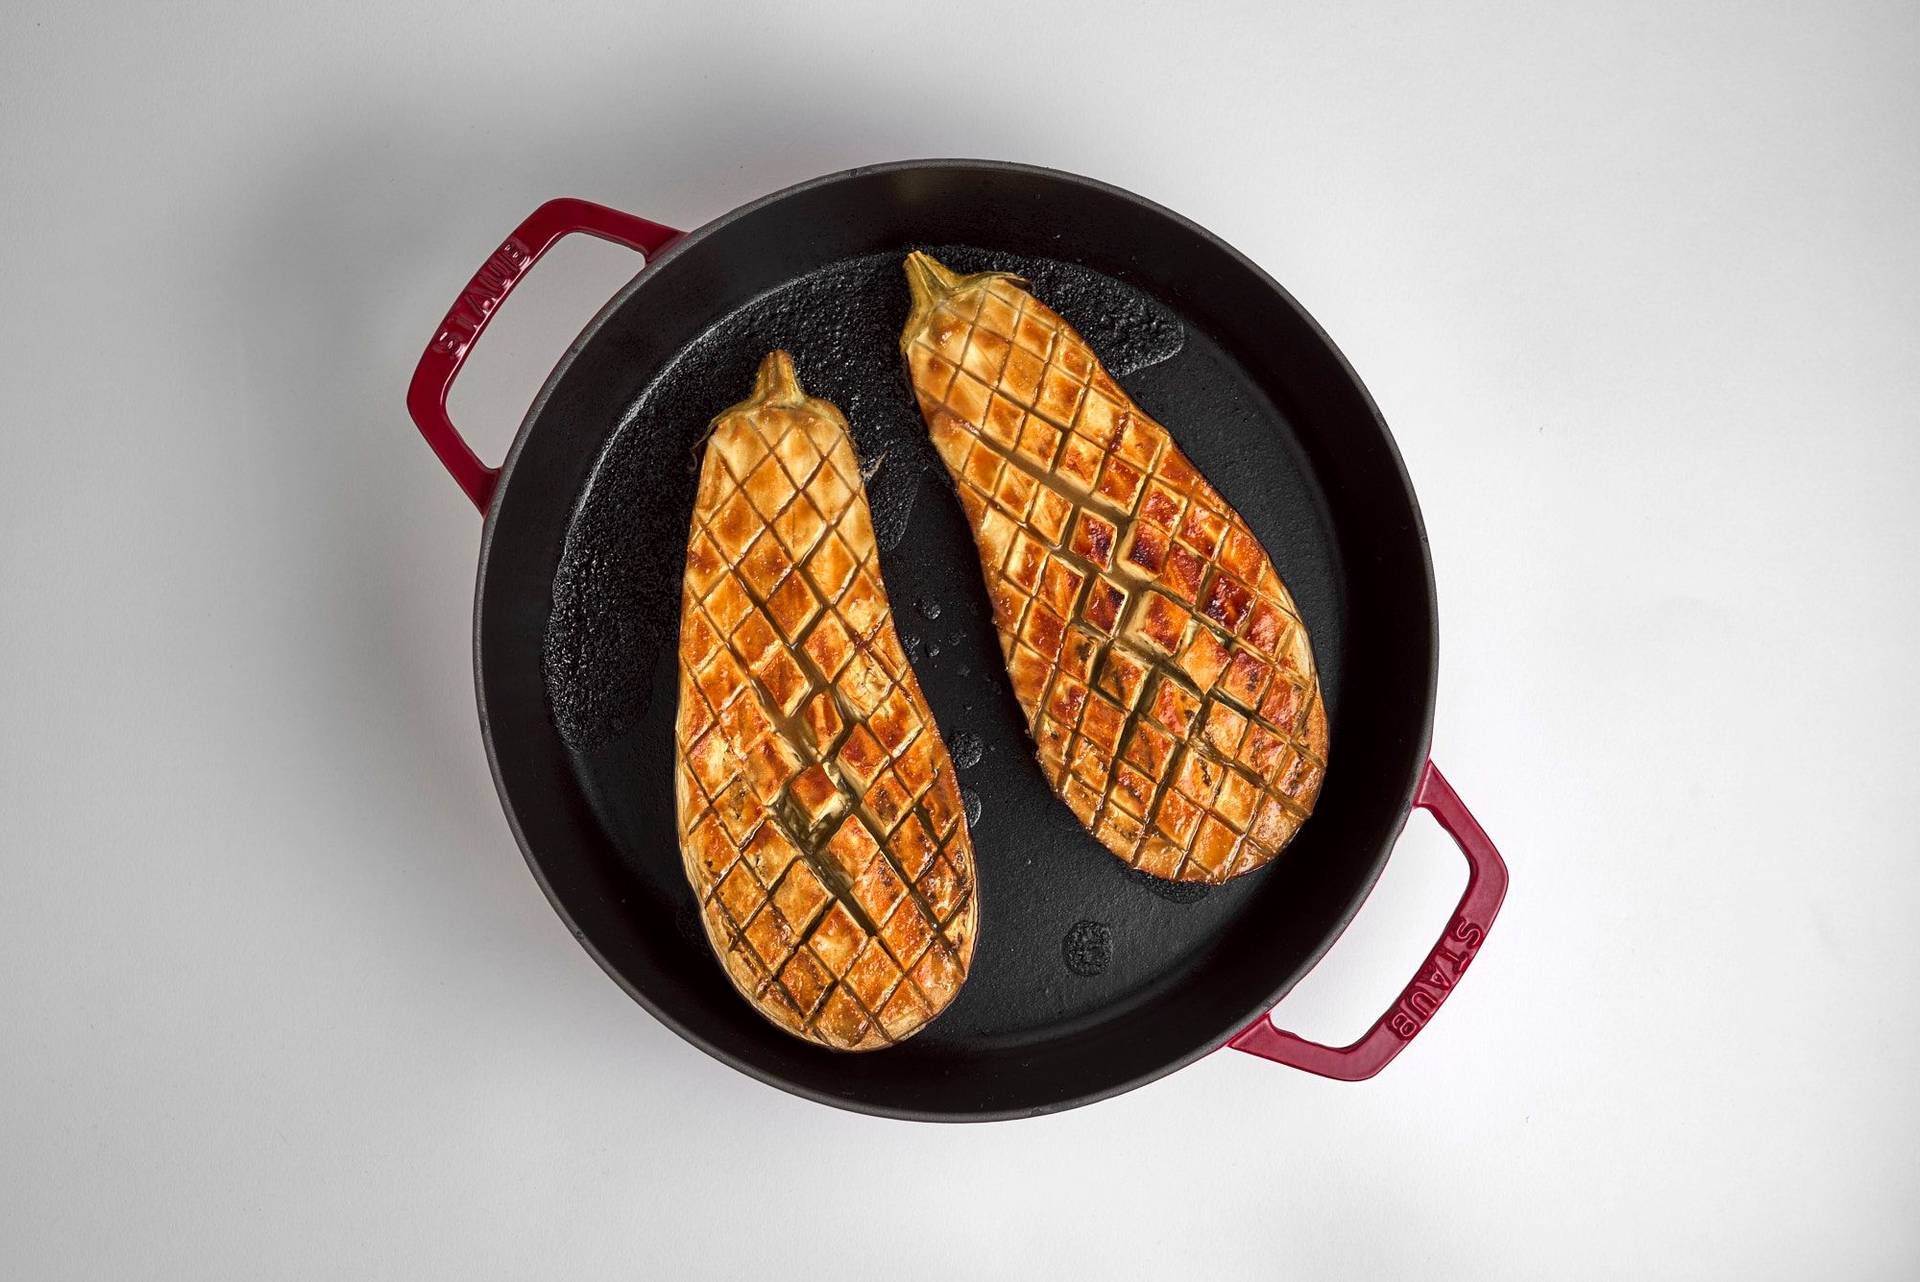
{"x": 1089, "y": 979}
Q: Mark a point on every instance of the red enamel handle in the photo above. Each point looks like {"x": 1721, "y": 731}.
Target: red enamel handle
{"x": 467, "y": 320}
{"x": 1486, "y": 887}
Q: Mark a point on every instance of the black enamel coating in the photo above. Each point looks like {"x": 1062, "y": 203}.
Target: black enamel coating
{"x": 1089, "y": 980}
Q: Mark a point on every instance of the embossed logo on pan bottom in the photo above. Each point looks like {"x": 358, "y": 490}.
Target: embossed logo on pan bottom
{"x": 1087, "y": 948}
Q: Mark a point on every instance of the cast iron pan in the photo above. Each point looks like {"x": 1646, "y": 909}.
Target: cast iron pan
{"x": 1089, "y": 979}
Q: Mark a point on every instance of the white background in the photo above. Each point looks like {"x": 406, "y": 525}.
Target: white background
{"x": 1637, "y": 286}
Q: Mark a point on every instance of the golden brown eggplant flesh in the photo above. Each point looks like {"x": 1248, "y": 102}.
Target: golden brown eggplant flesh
{"x": 820, "y": 822}
{"x": 1165, "y": 673}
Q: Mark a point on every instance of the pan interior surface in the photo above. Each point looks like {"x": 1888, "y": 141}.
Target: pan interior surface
{"x": 1088, "y": 977}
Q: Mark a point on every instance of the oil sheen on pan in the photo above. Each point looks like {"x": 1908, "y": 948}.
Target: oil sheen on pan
{"x": 821, "y": 824}
{"x": 1165, "y": 673}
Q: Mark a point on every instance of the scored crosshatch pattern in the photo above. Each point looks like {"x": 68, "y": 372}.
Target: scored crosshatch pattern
{"x": 1165, "y": 673}
{"x": 820, "y": 820}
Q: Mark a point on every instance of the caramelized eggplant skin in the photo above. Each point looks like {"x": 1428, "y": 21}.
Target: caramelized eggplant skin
{"x": 1165, "y": 673}
{"x": 820, "y": 821}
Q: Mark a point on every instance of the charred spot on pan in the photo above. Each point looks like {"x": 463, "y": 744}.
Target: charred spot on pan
{"x": 966, "y": 749}
{"x": 1087, "y": 948}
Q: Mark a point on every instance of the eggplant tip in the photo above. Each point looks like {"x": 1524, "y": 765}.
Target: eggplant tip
{"x": 931, "y": 282}
{"x": 928, "y": 278}
{"x": 776, "y": 381}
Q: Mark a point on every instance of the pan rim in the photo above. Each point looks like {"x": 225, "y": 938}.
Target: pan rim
{"x": 1095, "y": 1093}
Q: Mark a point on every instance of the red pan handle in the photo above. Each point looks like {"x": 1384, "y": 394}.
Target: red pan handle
{"x": 467, "y": 320}
{"x": 1486, "y": 887}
